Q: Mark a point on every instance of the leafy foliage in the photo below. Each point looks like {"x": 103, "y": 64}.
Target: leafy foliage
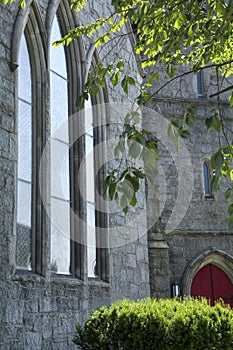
{"x": 123, "y": 182}
{"x": 22, "y": 3}
{"x": 198, "y": 34}
{"x": 222, "y": 165}
{"x": 171, "y": 324}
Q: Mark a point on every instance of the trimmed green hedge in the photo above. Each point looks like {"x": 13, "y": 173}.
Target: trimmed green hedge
{"x": 165, "y": 324}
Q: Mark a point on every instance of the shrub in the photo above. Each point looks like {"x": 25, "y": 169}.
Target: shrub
{"x": 165, "y": 324}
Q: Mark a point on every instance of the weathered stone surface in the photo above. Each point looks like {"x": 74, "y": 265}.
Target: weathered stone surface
{"x": 41, "y": 312}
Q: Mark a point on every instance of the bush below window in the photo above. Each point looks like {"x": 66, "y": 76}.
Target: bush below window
{"x": 172, "y": 324}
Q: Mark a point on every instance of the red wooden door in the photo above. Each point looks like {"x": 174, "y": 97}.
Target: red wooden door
{"x": 213, "y": 283}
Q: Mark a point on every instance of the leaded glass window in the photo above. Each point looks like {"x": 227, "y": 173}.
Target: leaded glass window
{"x": 60, "y": 173}
{"x": 90, "y": 190}
{"x": 24, "y": 183}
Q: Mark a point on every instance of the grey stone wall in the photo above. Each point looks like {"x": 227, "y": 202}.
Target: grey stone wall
{"x": 203, "y": 221}
{"x": 40, "y": 312}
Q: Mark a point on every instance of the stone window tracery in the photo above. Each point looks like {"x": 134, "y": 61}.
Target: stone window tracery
{"x": 76, "y": 248}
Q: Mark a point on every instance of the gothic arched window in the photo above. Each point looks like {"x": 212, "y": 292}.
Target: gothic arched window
{"x": 25, "y": 150}
{"x": 60, "y": 163}
{"x": 56, "y": 196}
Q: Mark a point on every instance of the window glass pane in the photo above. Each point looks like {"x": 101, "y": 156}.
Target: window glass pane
{"x": 60, "y": 236}
{"x": 60, "y": 169}
{"x": 88, "y": 117}
{"x": 90, "y": 191}
{"x": 57, "y": 55}
{"x": 24, "y": 187}
{"x": 60, "y": 174}
{"x": 24, "y": 203}
{"x": 200, "y": 83}
{"x": 206, "y": 175}
{"x": 24, "y": 247}
{"x": 24, "y": 141}
{"x": 59, "y": 104}
{"x": 91, "y": 240}
{"x": 90, "y": 179}
{"x": 24, "y": 77}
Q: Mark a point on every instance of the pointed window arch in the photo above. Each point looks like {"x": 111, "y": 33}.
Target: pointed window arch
{"x": 60, "y": 160}
{"x": 75, "y": 245}
{"x": 24, "y": 183}
{"x": 42, "y": 189}
{"x": 29, "y": 55}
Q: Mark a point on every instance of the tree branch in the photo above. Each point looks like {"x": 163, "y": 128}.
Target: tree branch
{"x": 221, "y": 91}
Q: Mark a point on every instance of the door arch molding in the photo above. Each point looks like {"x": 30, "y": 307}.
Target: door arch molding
{"x": 214, "y": 256}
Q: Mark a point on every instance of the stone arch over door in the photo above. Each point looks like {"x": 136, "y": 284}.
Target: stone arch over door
{"x": 218, "y": 258}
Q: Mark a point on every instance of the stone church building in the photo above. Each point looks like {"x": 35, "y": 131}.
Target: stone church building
{"x": 66, "y": 249}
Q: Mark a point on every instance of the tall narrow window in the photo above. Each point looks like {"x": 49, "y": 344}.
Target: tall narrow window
{"x": 24, "y": 184}
{"x": 206, "y": 176}
{"x": 90, "y": 190}
{"x": 60, "y": 174}
{"x": 200, "y": 91}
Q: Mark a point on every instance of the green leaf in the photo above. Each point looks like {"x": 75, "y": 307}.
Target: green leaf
{"x": 152, "y": 76}
{"x": 231, "y": 99}
{"x": 106, "y": 183}
{"x": 215, "y": 183}
{"x": 131, "y": 81}
{"x": 217, "y": 160}
{"x": 228, "y": 193}
{"x": 177, "y": 123}
{"x": 120, "y": 64}
{"x": 138, "y": 173}
{"x": 77, "y": 4}
{"x": 23, "y": 4}
{"x": 115, "y": 78}
{"x": 185, "y": 134}
{"x": 133, "y": 201}
{"x": 112, "y": 189}
{"x": 149, "y": 160}
{"x": 134, "y": 182}
{"x": 189, "y": 117}
{"x": 171, "y": 70}
{"x": 213, "y": 122}
{"x": 134, "y": 149}
{"x": 173, "y": 135}
{"x": 221, "y": 8}
{"x": 218, "y": 124}
{"x": 141, "y": 139}
{"x": 124, "y": 203}
{"x": 124, "y": 85}
{"x": 230, "y": 209}
{"x": 123, "y": 174}
{"x": 136, "y": 117}
{"x": 230, "y": 223}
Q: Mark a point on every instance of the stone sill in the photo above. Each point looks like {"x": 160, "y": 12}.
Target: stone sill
{"x": 98, "y": 283}
{"x": 29, "y": 276}
{"x": 208, "y": 199}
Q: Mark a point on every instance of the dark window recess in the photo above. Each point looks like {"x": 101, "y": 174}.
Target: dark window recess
{"x": 207, "y": 185}
{"x": 200, "y": 90}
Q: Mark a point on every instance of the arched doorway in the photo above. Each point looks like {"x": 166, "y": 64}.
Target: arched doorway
{"x": 212, "y": 282}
